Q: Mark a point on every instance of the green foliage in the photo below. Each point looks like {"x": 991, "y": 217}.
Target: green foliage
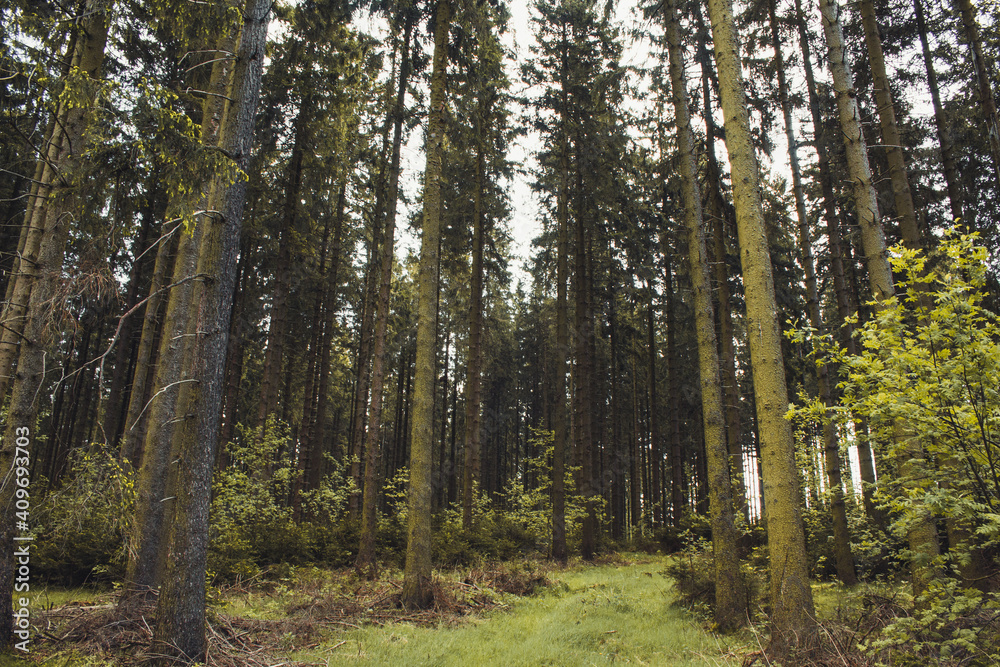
{"x": 252, "y": 521}
{"x": 520, "y": 523}
{"x": 929, "y": 361}
{"x": 952, "y": 626}
{"x": 82, "y": 525}
{"x": 693, "y": 571}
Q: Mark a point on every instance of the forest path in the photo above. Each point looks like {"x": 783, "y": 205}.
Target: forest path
{"x": 591, "y": 615}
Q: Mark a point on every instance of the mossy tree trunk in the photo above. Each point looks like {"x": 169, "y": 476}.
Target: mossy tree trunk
{"x": 793, "y": 616}
{"x": 922, "y": 532}
{"x": 417, "y": 592}
{"x": 843, "y": 556}
{"x": 730, "y": 593}
{"x": 366, "y": 553}
{"x": 180, "y": 613}
{"x": 31, "y": 308}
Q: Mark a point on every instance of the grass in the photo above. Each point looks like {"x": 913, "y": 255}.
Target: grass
{"x": 593, "y": 615}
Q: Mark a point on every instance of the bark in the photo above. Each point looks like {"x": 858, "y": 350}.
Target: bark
{"x": 180, "y": 613}
{"x": 721, "y": 215}
{"x": 136, "y": 416}
{"x": 844, "y": 558}
{"x": 654, "y": 423}
{"x": 277, "y": 332}
{"x": 473, "y": 376}
{"x": 922, "y": 534}
{"x": 584, "y": 378}
{"x": 730, "y": 594}
{"x": 836, "y": 246}
{"x": 156, "y": 475}
{"x": 139, "y": 276}
{"x": 417, "y": 591}
{"x": 317, "y": 434}
{"x": 793, "y": 613}
{"x": 560, "y": 418}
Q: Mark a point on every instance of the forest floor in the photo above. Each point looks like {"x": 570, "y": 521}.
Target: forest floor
{"x": 621, "y": 610}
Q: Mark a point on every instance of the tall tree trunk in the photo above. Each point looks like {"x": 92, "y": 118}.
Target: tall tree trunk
{"x": 793, "y": 613}
{"x": 844, "y": 558}
{"x": 156, "y": 475}
{"x": 417, "y": 591}
{"x": 278, "y": 330}
{"x": 114, "y": 409}
{"x": 922, "y": 533}
{"x": 53, "y": 217}
{"x": 317, "y": 433}
{"x": 836, "y": 246}
{"x": 136, "y": 415}
{"x": 366, "y": 552}
{"x": 560, "y": 418}
{"x": 584, "y": 378}
{"x": 180, "y": 612}
{"x": 473, "y": 376}
{"x": 730, "y": 594}
{"x": 722, "y": 221}
{"x": 905, "y": 209}
{"x": 654, "y": 412}
{"x": 986, "y": 98}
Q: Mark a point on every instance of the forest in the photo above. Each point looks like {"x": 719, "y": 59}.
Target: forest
{"x": 271, "y": 318}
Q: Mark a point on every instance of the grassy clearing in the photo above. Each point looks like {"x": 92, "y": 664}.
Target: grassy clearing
{"x": 590, "y": 616}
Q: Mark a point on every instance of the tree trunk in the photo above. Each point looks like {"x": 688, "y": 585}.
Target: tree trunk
{"x": 473, "y": 376}
{"x": 560, "y": 418}
{"x": 52, "y": 217}
{"x": 274, "y": 353}
{"x": 890, "y": 130}
{"x": 417, "y": 593}
{"x": 836, "y": 245}
{"x": 722, "y": 221}
{"x": 366, "y": 552}
{"x": 730, "y": 594}
{"x": 317, "y": 434}
{"x": 793, "y": 616}
{"x": 986, "y": 98}
{"x": 843, "y": 556}
{"x": 180, "y": 612}
{"x": 156, "y": 475}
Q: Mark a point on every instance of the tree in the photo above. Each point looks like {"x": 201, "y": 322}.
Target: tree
{"x": 730, "y": 593}
{"x": 922, "y": 533}
{"x": 48, "y": 227}
{"x": 792, "y": 618}
{"x": 417, "y": 591}
{"x": 180, "y": 610}
{"x": 366, "y": 553}
{"x": 831, "y": 442}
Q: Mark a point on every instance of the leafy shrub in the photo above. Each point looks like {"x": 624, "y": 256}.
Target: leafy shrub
{"x": 251, "y": 524}
{"x": 693, "y": 572}
{"x": 83, "y": 525}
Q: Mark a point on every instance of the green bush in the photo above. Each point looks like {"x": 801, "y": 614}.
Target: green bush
{"x": 84, "y": 523}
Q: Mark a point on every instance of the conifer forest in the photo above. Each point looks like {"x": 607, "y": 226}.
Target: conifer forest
{"x": 362, "y": 331}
